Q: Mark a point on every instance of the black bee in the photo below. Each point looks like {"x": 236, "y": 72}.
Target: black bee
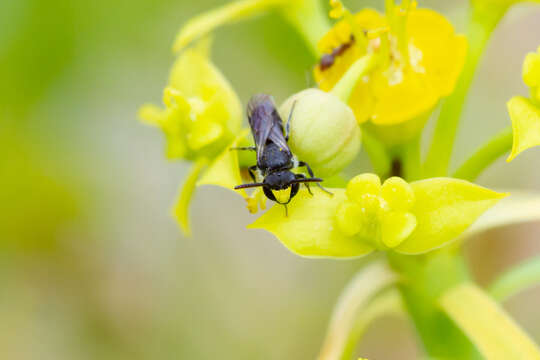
{"x": 274, "y": 157}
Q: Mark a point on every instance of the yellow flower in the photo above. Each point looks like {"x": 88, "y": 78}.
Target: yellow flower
{"x": 420, "y": 59}
{"x": 525, "y": 112}
{"x": 202, "y": 116}
{"x": 366, "y": 216}
{"x": 379, "y": 215}
{"x": 202, "y": 113}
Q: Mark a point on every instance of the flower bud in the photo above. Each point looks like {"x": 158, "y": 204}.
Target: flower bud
{"x": 324, "y": 132}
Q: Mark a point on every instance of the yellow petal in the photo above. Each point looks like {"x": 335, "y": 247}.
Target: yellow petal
{"x": 525, "y": 124}
{"x": 181, "y": 209}
{"x": 310, "y": 228}
{"x": 445, "y": 208}
{"x": 151, "y": 114}
{"x": 202, "y": 112}
{"x": 203, "y": 133}
{"x": 398, "y": 193}
{"x": 348, "y": 215}
{"x": 225, "y": 170}
{"x": 531, "y": 69}
{"x": 441, "y": 53}
{"x": 203, "y": 24}
{"x": 256, "y": 200}
{"x": 396, "y": 227}
{"x": 409, "y": 96}
{"x": 194, "y": 76}
{"x": 363, "y": 184}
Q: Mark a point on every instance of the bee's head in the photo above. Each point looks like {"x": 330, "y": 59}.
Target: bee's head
{"x": 281, "y": 186}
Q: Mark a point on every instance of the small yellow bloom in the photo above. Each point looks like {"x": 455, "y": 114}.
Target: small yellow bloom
{"x": 202, "y": 113}
{"x": 202, "y": 116}
{"x": 525, "y": 113}
{"x": 407, "y": 218}
{"x": 377, "y": 214}
{"x": 421, "y": 58}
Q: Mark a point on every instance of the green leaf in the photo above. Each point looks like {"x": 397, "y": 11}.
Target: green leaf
{"x": 517, "y": 279}
{"x": 525, "y": 123}
{"x": 493, "y": 332}
{"x": 310, "y": 229}
{"x": 181, "y": 209}
{"x": 444, "y": 208}
{"x": 359, "y": 304}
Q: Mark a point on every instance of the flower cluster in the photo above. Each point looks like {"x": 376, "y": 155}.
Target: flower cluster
{"x": 379, "y": 77}
{"x": 379, "y": 74}
{"x": 407, "y": 218}
{"x": 202, "y": 115}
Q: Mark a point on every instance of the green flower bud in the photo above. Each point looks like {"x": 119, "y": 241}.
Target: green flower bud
{"x": 324, "y": 131}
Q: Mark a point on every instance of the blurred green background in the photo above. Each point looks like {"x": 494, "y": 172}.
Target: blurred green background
{"x": 91, "y": 264}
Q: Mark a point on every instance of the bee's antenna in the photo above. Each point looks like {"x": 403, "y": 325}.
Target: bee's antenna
{"x": 307, "y": 180}
{"x": 245, "y": 186}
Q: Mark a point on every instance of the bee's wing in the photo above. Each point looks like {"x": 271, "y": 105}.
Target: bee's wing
{"x": 276, "y": 134}
{"x": 265, "y": 123}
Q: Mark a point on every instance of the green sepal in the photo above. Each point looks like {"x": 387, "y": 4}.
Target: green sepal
{"x": 444, "y": 208}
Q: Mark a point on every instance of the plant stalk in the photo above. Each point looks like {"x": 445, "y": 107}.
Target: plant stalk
{"x": 496, "y": 147}
{"x": 482, "y": 22}
{"x": 426, "y": 277}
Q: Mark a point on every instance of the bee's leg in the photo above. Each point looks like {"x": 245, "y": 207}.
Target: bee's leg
{"x": 302, "y": 176}
{"x": 310, "y": 172}
{"x": 251, "y": 148}
{"x": 251, "y": 169}
{"x": 288, "y": 126}
{"x": 286, "y": 210}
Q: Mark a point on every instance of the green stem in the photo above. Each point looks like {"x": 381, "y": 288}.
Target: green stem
{"x": 480, "y": 27}
{"x": 518, "y": 278}
{"x": 496, "y": 147}
{"x": 377, "y": 154}
{"x": 361, "y": 291}
{"x": 387, "y": 303}
{"x": 348, "y": 81}
{"x": 310, "y": 19}
{"x": 410, "y": 157}
{"x": 425, "y": 278}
